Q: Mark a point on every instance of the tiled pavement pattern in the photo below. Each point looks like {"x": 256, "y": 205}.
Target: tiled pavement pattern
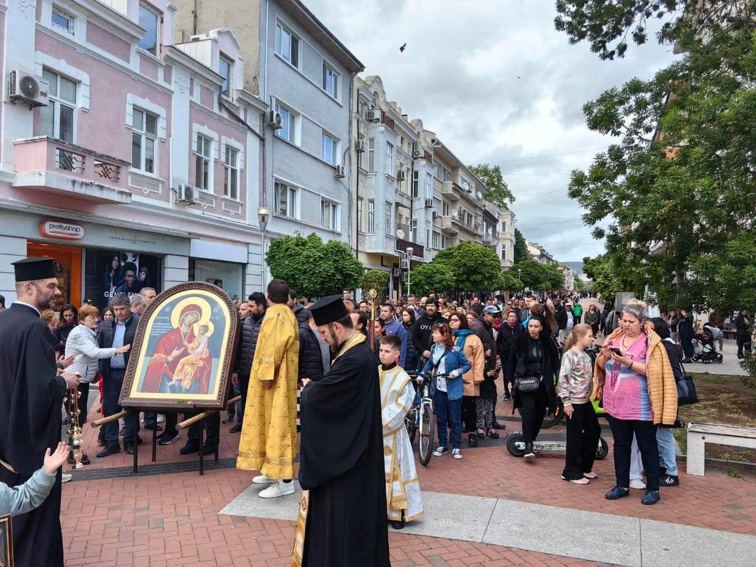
{"x": 157, "y": 519}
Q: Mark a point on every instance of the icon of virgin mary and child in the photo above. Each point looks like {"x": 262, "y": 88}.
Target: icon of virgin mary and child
{"x": 181, "y": 361}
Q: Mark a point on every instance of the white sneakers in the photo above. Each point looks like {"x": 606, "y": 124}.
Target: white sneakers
{"x": 263, "y": 479}
{"x": 456, "y": 453}
{"x": 279, "y": 488}
{"x": 637, "y": 484}
{"x": 65, "y": 477}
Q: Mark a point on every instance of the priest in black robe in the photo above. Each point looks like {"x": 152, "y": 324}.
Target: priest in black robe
{"x": 343, "y": 519}
{"x": 31, "y": 398}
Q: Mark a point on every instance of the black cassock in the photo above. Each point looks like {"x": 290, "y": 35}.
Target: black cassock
{"x": 31, "y": 396}
{"x": 341, "y": 464}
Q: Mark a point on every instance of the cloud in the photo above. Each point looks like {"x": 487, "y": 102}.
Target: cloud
{"x": 499, "y": 85}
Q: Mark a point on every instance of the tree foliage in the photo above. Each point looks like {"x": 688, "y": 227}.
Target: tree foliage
{"x": 520, "y": 247}
{"x": 475, "y": 267}
{"x": 539, "y": 277}
{"x": 311, "y": 267}
{"x": 432, "y": 277}
{"x": 377, "y": 280}
{"x": 675, "y": 196}
{"x": 510, "y": 281}
{"x": 492, "y": 177}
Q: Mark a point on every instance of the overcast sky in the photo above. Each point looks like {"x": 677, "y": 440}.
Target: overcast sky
{"x": 499, "y": 85}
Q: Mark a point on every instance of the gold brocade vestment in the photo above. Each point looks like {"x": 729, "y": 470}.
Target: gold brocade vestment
{"x": 269, "y": 432}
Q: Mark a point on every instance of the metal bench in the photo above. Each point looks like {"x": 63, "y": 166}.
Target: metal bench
{"x": 701, "y": 433}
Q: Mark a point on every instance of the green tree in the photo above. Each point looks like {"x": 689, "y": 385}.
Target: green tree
{"x": 475, "y": 267}
{"x": 377, "y": 280}
{"x": 498, "y": 191}
{"x": 432, "y": 277}
{"x": 311, "y": 267}
{"x": 520, "y": 247}
{"x": 539, "y": 277}
{"x": 510, "y": 281}
{"x": 674, "y": 197}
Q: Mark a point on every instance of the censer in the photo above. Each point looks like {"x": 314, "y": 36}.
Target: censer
{"x": 74, "y": 427}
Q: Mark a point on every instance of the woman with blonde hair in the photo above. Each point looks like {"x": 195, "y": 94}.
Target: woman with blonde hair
{"x": 635, "y": 382}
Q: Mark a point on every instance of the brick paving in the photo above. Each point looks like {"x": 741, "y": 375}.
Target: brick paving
{"x": 168, "y": 514}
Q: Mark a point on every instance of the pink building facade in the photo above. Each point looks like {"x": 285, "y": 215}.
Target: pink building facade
{"x": 119, "y": 144}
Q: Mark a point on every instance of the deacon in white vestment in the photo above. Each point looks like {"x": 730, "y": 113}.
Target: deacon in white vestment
{"x": 397, "y": 394}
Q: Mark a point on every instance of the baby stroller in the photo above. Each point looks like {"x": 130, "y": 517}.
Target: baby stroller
{"x": 703, "y": 346}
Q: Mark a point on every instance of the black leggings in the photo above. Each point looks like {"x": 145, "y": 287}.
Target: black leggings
{"x": 583, "y": 432}
{"x": 532, "y": 410}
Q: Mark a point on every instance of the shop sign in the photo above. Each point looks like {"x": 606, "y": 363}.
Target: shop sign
{"x": 61, "y": 230}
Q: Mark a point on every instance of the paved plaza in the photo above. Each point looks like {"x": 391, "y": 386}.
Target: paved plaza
{"x": 490, "y": 508}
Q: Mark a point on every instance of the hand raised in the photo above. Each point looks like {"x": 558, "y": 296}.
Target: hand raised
{"x": 53, "y": 461}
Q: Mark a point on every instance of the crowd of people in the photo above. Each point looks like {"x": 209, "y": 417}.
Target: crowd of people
{"x": 298, "y": 359}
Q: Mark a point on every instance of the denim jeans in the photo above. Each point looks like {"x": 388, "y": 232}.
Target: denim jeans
{"x": 111, "y": 391}
{"x": 645, "y": 434}
{"x": 450, "y": 410}
{"x": 667, "y": 452}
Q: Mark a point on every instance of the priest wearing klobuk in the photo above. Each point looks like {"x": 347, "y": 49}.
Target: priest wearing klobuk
{"x": 403, "y": 496}
{"x": 31, "y": 398}
{"x": 342, "y": 516}
{"x": 269, "y": 434}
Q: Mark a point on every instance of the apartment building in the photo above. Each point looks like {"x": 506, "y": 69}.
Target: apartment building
{"x": 413, "y": 193}
{"x": 304, "y": 75}
{"x": 121, "y": 150}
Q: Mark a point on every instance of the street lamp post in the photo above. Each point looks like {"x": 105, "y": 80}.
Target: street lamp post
{"x": 409, "y": 250}
{"x": 263, "y": 215}
{"x": 519, "y": 277}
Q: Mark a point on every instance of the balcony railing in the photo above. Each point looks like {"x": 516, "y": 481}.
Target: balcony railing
{"x": 55, "y": 166}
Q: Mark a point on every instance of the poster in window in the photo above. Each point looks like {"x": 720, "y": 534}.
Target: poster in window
{"x": 118, "y": 272}
{"x": 181, "y": 355}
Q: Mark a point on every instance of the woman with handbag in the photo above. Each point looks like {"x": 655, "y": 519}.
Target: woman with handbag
{"x": 634, "y": 381}
{"x": 447, "y": 363}
{"x": 472, "y": 347}
{"x": 534, "y": 363}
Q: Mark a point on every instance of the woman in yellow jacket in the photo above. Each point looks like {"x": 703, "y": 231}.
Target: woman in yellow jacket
{"x": 636, "y": 386}
{"x": 472, "y": 346}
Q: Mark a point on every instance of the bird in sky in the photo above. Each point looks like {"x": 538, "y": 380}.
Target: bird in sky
{"x": 403, "y": 47}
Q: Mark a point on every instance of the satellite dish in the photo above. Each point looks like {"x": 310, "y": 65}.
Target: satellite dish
{"x": 400, "y": 233}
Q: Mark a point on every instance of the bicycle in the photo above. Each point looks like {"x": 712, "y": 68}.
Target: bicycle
{"x": 419, "y": 420}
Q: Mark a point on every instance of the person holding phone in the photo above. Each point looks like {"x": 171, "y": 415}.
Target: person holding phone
{"x": 635, "y": 383}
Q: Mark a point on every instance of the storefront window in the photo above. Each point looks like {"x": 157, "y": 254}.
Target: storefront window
{"x": 225, "y": 275}
{"x": 118, "y": 272}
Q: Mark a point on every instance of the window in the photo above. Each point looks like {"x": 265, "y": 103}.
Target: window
{"x": 330, "y": 146}
{"x": 149, "y": 19}
{"x": 225, "y": 71}
{"x": 203, "y": 160}
{"x": 288, "y": 124}
{"x": 57, "y": 118}
{"x": 428, "y": 185}
{"x": 231, "y": 173}
{"x": 413, "y": 224}
{"x": 62, "y": 20}
{"x": 143, "y": 136}
{"x": 287, "y": 45}
{"x": 387, "y": 224}
{"x": 444, "y": 241}
{"x": 286, "y": 200}
{"x": 330, "y": 81}
{"x": 371, "y": 216}
{"x": 329, "y": 215}
{"x": 371, "y": 155}
{"x": 360, "y": 212}
{"x": 415, "y": 180}
{"x": 436, "y": 244}
{"x": 445, "y": 209}
{"x": 389, "y": 159}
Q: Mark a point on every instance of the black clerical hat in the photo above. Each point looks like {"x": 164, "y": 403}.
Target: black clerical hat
{"x": 329, "y": 309}
{"x": 30, "y": 269}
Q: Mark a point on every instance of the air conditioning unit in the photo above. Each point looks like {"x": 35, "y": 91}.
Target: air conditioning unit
{"x": 273, "y": 120}
{"x": 25, "y": 87}
{"x": 374, "y": 115}
{"x": 429, "y": 203}
{"x": 417, "y": 154}
{"x": 186, "y": 194}
{"x": 339, "y": 171}
{"x": 360, "y": 146}
{"x": 400, "y": 175}
{"x": 435, "y": 215}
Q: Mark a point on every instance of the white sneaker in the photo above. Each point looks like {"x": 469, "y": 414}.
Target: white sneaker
{"x": 457, "y": 453}
{"x": 280, "y": 488}
{"x": 263, "y": 479}
{"x": 65, "y": 477}
{"x": 637, "y": 484}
